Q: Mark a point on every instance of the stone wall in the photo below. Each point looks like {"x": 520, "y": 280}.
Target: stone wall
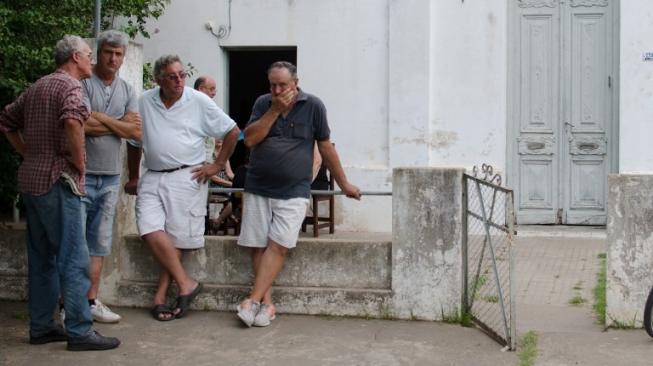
{"x": 630, "y": 247}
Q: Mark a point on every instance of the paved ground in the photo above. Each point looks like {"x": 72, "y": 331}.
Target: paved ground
{"x": 216, "y": 338}
{"x": 553, "y": 265}
{"x": 550, "y": 262}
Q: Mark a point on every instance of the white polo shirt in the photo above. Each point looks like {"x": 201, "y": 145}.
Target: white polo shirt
{"x": 174, "y": 137}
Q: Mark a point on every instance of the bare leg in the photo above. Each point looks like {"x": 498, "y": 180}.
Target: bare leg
{"x": 166, "y": 254}
{"x": 94, "y": 272}
{"x": 257, "y": 254}
{"x": 269, "y": 266}
{"x": 223, "y": 215}
{"x": 164, "y": 283}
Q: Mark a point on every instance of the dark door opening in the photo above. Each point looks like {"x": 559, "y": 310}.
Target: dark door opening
{"x": 247, "y": 81}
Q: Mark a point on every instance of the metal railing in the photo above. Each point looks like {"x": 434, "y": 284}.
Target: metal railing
{"x": 316, "y": 192}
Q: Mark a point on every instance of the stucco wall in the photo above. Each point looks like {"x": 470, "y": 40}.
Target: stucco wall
{"x": 406, "y": 83}
{"x": 636, "y": 88}
{"x": 468, "y": 53}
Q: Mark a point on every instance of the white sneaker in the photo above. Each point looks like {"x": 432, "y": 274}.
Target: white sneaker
{"x": 263, "y": 316}
{"x": 248, "y": 314}
{"x": 102, "y": 314}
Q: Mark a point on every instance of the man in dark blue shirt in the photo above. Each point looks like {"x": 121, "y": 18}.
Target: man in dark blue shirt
{"x": 281, "y": 134}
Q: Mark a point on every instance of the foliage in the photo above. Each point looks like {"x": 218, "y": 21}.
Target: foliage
{"x": 600, "y": 301}
{"x": 29, "y": 30}
{"x": 527, "y": 349}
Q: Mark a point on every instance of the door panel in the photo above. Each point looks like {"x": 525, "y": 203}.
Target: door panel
{"x": 587, "y": 111}
{"x": 562, "y": 109}
{"x": 538, "y": 111}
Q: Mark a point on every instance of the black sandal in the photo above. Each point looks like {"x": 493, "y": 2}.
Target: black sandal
{"x": 184, "y": 301}
{"x": 160, "y": 309}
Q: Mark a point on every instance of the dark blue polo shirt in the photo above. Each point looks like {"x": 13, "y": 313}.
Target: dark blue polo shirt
{"x": 280, "y": 166}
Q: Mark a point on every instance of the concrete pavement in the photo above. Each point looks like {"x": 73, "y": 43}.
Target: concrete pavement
{"x": 553, "y": 264}
{"x": 218, "y": 338}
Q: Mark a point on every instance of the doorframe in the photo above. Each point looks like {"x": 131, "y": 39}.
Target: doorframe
{"x": 512, "y": 99}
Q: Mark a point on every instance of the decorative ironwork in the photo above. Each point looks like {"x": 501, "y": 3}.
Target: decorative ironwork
{"x": 537, "y": 3}
{"x": 589, "y": 3}
{"x": 488, "y": 174}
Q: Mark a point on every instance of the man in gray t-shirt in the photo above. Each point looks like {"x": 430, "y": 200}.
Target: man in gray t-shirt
{"x": 281, "y": 134}
{"x": 114, "y": 116}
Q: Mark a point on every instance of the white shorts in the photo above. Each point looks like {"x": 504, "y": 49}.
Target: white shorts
{"x": 174, "y": 203}
{"x": 269, "y": 218}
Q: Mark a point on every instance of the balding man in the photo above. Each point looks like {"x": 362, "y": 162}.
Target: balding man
{"x": 282, "y": 133}
{"x": 46, "y": 127}
{"x": 206, "y": 85}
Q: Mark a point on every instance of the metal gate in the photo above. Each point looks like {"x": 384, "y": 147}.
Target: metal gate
{"x": 488, "y": 227}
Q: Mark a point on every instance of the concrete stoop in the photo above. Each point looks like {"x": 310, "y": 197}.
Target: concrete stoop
{"x": 416, "y": 275}
{"x": 320, "y": 276}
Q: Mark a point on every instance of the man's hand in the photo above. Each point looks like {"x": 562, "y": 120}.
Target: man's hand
{"x": 204, "y": 172}
{"x": 133, "y": 117}
{"x": 284, "y": 101}
{"x": 351, "y": 191}
{"x": 131, "y": 187}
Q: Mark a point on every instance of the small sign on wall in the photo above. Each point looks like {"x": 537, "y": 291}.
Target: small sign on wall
{"x": 647, "y": 56}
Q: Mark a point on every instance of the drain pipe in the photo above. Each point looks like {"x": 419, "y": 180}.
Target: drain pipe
{"x": 98, "y": 14}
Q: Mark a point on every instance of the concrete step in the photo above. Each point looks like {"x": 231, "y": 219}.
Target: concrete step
{"x": 351, "y": 264}
{"x": 372, "y": 303}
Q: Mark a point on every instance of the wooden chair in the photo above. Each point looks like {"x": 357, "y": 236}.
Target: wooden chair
{"x": 229, "y": 223}
{"x": 324, "y": 181}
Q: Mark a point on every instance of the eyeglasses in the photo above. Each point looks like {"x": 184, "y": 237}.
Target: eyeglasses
{"x": 174, "y": 77}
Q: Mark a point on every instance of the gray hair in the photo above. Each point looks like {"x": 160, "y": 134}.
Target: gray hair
{"x": 292, "y": 69}
{"x": 66, "y": 47}
{"x": 113, "y": 38}
{"x": 163, "y": 62}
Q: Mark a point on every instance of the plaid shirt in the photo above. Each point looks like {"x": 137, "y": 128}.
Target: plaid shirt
{"x": 39, "y": 115}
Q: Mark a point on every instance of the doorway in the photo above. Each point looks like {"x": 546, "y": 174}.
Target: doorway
{"x": 563, "y": 118}
{"x": 247, "y": 78}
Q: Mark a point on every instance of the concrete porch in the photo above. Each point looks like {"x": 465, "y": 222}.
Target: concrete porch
{"x": 412, "y": 273}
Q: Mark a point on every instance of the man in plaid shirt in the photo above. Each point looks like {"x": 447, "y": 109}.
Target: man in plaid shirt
{"x": 46, "y": 127}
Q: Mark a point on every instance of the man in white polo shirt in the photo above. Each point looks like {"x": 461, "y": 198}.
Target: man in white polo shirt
{"x": 171, "y": 202}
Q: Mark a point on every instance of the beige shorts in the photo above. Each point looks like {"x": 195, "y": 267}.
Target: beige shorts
{"x": 268, "y": 218}
{"x": 174, "y": 203}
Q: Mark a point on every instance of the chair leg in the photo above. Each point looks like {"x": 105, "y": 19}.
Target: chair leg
{"x": 332, "y": 219}
{"x": 316, "y": 213}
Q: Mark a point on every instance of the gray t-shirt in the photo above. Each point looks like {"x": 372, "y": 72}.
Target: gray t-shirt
{"x": 103, "y": 152}
{"x": 281, "y": 165}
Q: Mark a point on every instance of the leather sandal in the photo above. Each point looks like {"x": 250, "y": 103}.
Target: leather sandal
{"x": 184, "y": 301}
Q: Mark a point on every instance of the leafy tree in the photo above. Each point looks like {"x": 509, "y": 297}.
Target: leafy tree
{"x": 29, "y": 30}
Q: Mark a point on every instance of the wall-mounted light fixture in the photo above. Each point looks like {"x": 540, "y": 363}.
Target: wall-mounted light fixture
{"x": 222, "y": 31}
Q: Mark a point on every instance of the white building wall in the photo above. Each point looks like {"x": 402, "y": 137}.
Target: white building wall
{"x": 469, "y": 83}
{"x": 636, "y": 87}
{"x": 406, "y": 83}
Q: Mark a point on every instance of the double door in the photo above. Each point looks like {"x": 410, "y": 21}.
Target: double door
{"x": 562, "y": 109}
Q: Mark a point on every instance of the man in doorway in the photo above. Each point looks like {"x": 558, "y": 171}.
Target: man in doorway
{"x": 46, "y": 127}
{"x": 206, "y": 85}
{"x": 114, "y": 116}
{"x": 172, "y": 194}
{"x": 281, "y": 133}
